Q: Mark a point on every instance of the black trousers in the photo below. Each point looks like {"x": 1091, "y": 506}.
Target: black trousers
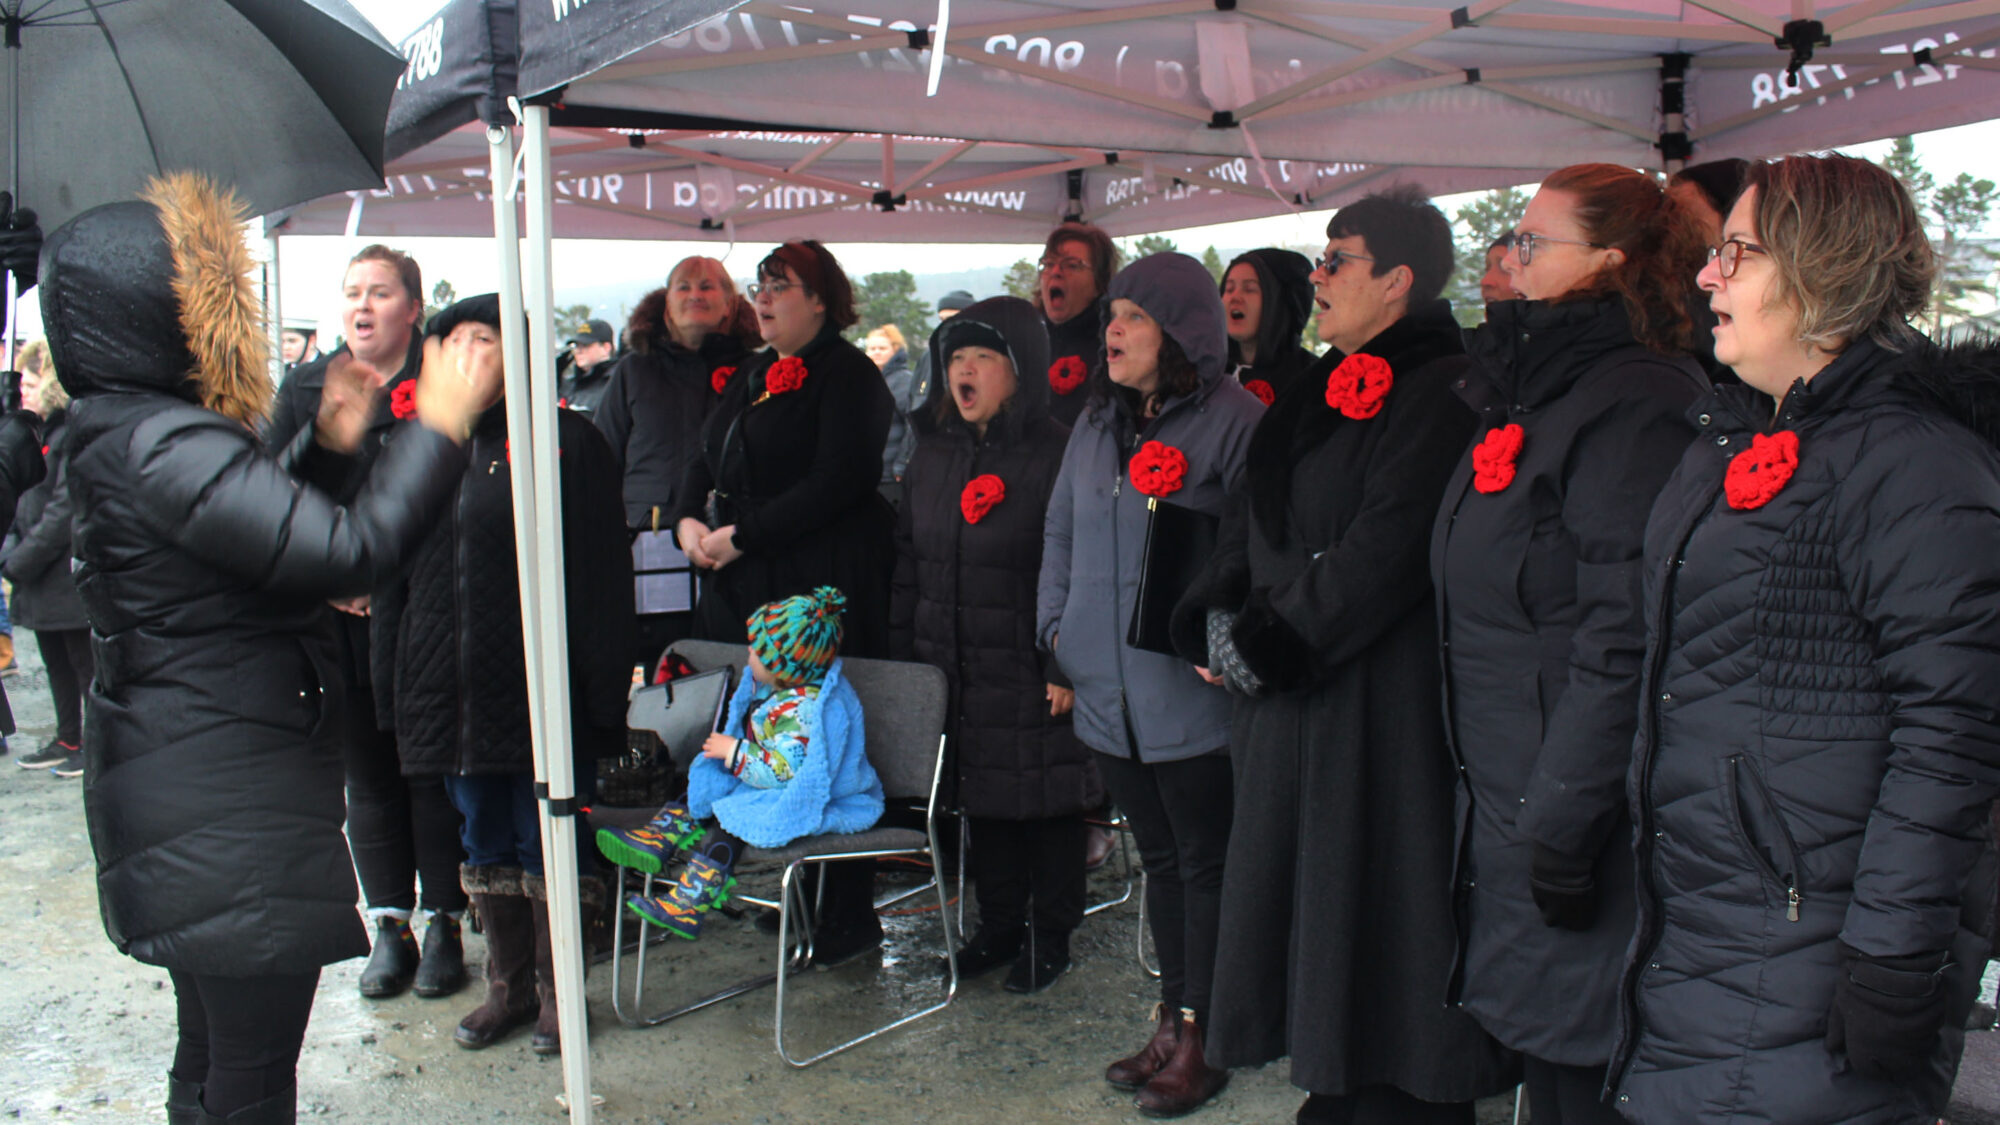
{"x": 1180, "y": 814}
{"x": 66, "y": 652}
{"x": 240, "y": 1036}
{"x": 399, "y": 827}
{"x": 1566, "y": 1095}
{"x": 1382, "y": 1105}
{"x": 1016, "y": 862}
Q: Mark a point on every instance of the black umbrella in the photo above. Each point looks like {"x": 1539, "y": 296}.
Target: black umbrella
{"x": 282, "y": 99}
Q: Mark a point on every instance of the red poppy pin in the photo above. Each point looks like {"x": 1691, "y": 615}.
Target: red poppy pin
{"x": 1493, "y": 458}
{"x": 785, "y": 376}
{"x": 1066, "y": 374}
{"x": 720, "y": 378}
{"x": 1262, "y": 390}
{"x": 981, "y": 494}
{"x": 1357, "y": 387}
{"x": 1760, "y": 472}
{"x": 1158, "y": 469}
{"x": 403, "y": 400}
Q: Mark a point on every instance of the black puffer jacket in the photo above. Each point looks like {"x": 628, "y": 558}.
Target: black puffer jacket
{"x": 796, "y": 473}
{"x": 582, "y": 391}
{"x": 451, "y": 679}
{"x": 1538, "y": 607}
{"x": 1818, "y": 746}
{"x": 965, "y": 592}
{"x": 1081, "y": 336}
{"x": 38, "y": 563}
{"x": 652, "y": 413}
{"x": 212, "y": 772}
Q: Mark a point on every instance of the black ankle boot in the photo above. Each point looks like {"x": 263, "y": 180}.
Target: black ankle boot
{"x": 183, "y": 1102}
{"x": 1043, "y": 958}
{"x": 281, "y": 1108}
{"x": 986, "y": 951}
{"x": 393, "y": 963}
{"x": 442, "y": 970}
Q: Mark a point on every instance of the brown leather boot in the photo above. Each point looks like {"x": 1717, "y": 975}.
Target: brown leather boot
{"x": 1186, "y": 1083}
{"x": 548, "y": 1028}
{"x": 509, "y": 921}
{"x": 1134, "y": 1072}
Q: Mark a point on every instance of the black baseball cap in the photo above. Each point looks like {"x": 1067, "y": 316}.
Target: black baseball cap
{"x": 594, "y": 332}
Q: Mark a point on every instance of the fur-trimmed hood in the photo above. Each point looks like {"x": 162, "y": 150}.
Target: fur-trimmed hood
{"x": 1962, "y": 379}
{"x": 646, "y": 329}
{"x": 156, "y": 295}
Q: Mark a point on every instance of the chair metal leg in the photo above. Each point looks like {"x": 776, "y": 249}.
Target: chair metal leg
{"x": 785, "y": 967}
{"x": 1117, "y": 824}
{"x": 1148, "y": 963}
{"x": 636, "y": 1003}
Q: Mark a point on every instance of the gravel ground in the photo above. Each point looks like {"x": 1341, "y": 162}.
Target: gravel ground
{"x": 90, "y": 1032}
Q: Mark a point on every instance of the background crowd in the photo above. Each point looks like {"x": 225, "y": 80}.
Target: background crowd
{"x": 1600, "y": 698}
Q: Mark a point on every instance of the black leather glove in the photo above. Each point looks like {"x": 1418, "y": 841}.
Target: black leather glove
{"x": 20, "y": 243}
{"x": 1886, "y": 1013}
{"x": 1565, "y": 888}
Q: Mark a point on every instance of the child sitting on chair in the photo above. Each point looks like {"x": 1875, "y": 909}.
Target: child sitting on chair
{"x": 794, "y": 766}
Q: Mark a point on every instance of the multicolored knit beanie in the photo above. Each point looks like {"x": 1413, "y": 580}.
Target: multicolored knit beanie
{"x": 798, "y": 637}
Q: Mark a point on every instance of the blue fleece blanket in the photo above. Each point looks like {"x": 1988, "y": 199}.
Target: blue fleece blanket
{"x": 836, "y": 790}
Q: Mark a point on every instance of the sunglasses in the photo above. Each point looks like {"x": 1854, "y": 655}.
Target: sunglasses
{"x": 1331, "y": 263}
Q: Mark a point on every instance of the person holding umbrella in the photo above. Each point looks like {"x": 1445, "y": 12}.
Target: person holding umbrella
{"x": 212, "y": 775}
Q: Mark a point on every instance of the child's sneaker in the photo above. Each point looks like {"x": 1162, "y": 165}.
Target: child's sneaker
{"x": 649, "y": 848}
{"x": 703, "y": 886}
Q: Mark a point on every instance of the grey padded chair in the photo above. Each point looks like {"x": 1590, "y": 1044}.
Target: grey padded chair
{"x": 903, "y": 709}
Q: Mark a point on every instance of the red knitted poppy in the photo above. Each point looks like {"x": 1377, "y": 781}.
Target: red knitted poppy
{"x": 1493, "y": 458}
{"x": 720, "y": 378}
{"x": 1357, "y": 387}
{"x": 1158, "y": 469}
{"x": 403, "y": 400}
{"x": 1761, "y": 471}
{"x": 1066, "y": 374}
{"x": 1262, "y": 390}
{"x": 981, "y": 494}
{"x": 786, "y": 375}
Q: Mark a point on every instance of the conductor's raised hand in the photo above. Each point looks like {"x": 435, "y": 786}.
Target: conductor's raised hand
{"x": 347, "y": 404}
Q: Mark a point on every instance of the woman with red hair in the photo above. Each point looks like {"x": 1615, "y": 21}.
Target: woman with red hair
{"x": 1582, "y": 388}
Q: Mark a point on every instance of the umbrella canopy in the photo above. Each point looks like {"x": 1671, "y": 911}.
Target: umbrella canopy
{"x": 1531, "y": 84}
{"x": 282, "y": 99}
{"x": 771, "y": 185}
{"x": 462, "y": 65}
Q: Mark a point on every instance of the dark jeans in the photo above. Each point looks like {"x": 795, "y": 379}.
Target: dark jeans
{"x": 240, "y": 1036}
{"x": 400, "y": 828}
{"x": 66, "y": 652}
{"x": 502, "y": 826}
{"x": 1180, "y": 814}
{"x": 1015, "y": 861}
{"x": 1566, "y": 1095}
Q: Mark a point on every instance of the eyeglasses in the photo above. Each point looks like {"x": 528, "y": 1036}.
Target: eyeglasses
{"x": 1066, "y": 265}
{"x": 776, "y": 289}
{"x": 1331, "y": 263}
{"x": 1729, "y": 255}
{"x": 1525, "y": 243}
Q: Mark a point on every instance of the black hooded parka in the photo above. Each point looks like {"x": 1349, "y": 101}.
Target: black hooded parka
{"x": 1340, "y": 927}
{"x": 1541, "y": 631}
{"x": 213, "y": 778}
{"x": 1284, "y": 281}
{"x": 964, "y": 597}
{"x": 1818, "y": 744}
{"x": 652, "y": 412}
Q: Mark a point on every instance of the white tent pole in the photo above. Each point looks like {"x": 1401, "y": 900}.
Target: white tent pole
{"x": 553, "y": 762}
{"x": 274, "y": 300}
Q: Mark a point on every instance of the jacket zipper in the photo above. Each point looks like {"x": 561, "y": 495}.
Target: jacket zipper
{"x": 1789, "y": 880}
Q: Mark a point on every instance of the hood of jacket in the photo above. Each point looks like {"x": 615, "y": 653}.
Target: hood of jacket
{"x": 1285, "y": 279}
{"x": 156, "y": 295}
{"x": 1961, "y": 380}
{"x": 1534, "y": 351}
{"x": 1021, "y": 329}
{"x": 1179, "y": 292}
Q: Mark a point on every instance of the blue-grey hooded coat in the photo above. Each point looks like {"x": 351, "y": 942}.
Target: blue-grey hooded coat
{"x": 1096, "y": 529}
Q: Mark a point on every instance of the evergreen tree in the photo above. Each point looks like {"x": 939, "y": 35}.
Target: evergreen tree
{"x": 1213, "y": 261}
{"x": 1953, "y": 211}
{"x": 1023, "y": 280}
{"x": 1478, "y": 224}
{"x": 891, "y": 298}
{"x": 1144, "y": 245}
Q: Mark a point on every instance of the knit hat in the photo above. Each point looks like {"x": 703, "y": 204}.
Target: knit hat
{"x": 798, "y": 637}
{"x": 955, "y": 301}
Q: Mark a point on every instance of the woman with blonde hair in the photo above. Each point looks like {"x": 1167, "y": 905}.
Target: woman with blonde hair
{"x": 885, "y": 345}
{"x": 37, "y": 564}
{"x": 687, "y": 340}
{"x": 1817, "y": 746}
